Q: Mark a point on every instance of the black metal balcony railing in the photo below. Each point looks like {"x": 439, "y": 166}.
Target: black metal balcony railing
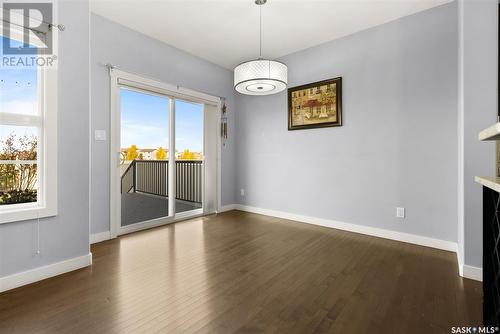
{"x": 128, "y": 179}
{"x": 188, "y": 180}
{"x": 151, "y": 177}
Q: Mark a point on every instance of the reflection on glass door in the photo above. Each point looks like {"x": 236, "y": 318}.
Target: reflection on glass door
{"x": 189, "y": 157}
{"x": 143, "y": 156}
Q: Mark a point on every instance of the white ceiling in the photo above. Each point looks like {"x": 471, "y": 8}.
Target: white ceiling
{"x": 226, "y": 32}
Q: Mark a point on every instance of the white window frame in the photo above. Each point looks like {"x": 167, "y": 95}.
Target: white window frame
{"x": 46, "y": 123}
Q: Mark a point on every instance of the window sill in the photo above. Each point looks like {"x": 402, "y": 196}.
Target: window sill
{"x": 27, "y": 213}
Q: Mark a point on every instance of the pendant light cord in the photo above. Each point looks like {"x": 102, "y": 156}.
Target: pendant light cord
{"x": 260, "y": 41}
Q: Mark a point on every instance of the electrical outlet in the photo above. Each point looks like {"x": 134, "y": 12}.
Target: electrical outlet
{"x": 400, "y": 212}
{"x": 242, "y": 192}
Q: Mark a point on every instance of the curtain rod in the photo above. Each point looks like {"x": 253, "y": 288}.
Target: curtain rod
{"x": 7, "y": 18}
{"x": 110, "y": 67}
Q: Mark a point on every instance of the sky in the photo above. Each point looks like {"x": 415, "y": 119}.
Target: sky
{"x": 18, "y": 94}
{"x": 145, "y": 122}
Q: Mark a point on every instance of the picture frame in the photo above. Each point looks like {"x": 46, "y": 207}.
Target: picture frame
{"x": 315, "y": 105}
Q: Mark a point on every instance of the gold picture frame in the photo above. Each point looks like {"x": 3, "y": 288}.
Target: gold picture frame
{"x": 315, "y": 105}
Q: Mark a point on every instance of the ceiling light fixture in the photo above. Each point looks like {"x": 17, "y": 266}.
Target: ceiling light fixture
{"x": 260, "y": 76}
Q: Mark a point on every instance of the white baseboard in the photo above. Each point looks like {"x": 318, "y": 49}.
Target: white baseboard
{"x": 41, "y": 273}
{"x": 471, "y": 272}
{"x": 98, "y": 237}
{"x": 372, "y": 231}
{"x": 228, "y": 207}
{"x": 467, "y": 271}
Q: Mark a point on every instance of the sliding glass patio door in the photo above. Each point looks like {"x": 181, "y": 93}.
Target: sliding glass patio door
{"x": 166, "y": 144}
{"x": 165, "y": 153}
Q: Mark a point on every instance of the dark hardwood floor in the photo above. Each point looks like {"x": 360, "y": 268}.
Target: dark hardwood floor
{"x": 247, "y": 273}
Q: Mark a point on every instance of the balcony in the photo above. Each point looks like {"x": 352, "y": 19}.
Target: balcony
{"x": 145, "y": 194}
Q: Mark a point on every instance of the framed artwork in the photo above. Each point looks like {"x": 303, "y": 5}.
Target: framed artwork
{"x": 315, "y": 105}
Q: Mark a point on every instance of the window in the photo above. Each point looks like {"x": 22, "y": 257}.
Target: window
{"x": 28, "y": 139}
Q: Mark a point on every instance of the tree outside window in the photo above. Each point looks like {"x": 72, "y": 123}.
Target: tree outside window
{"x": 18, "y": 180}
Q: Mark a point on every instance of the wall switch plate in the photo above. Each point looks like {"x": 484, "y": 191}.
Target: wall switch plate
{"x": 400, "y": 212}
{"x": 100, "y": 135}
{"x": 242, "y": 192}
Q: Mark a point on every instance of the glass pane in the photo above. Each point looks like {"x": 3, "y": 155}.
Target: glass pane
{"x": 19, "y": 180}
{"x": 18, "y": 183}
{"x": 18, "y": 87}
{"x": 18, "y": 142}
{"x": 189, "y": 155}
{"x": 144, "y": 156}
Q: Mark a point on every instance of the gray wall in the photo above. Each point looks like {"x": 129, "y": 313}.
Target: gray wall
{"x": 480, "y": 49}
{"x": 397, "y": 147}
{"x": 66, "y": 235}
{"x": 135, "y": 52}
{"x": 398, "y": 144}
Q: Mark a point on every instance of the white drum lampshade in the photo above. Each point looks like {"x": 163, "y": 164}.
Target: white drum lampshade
{"x": 260, "y": 77}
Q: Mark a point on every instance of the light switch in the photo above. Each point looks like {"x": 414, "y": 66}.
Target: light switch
{"x": 100, "y": 135}
{"x": 400, "y": 212}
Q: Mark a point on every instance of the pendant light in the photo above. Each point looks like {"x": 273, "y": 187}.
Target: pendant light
{"x": 260, "y": 76}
